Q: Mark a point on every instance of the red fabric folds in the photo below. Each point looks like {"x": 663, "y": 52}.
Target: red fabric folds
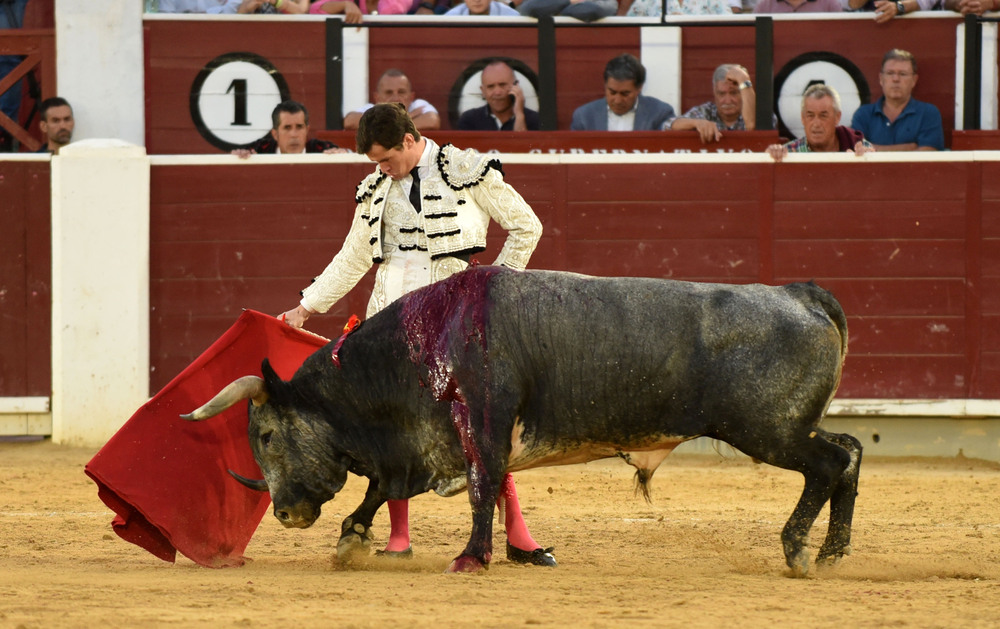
{"x": 166, "y": 478}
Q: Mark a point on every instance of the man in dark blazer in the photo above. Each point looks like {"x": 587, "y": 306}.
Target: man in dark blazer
{"x": 623, "y": 107}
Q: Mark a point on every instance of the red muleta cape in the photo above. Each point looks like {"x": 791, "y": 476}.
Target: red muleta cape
{"x": 166, "y": 478}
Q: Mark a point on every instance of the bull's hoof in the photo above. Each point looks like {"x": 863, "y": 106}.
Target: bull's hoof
{"x": 396, "y": 554}
{"x": 826, "y": 555}
{"x": 467, "y": 563}
{"x": 799, "y": 564}
{"x": 352, "y": 548}
{"x": 355, "y": 541}
{"x": 831, "y": 559}
{"x": 537, "y": 557}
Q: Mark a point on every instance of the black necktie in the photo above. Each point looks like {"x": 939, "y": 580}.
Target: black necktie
{"x": 415, "y": 190}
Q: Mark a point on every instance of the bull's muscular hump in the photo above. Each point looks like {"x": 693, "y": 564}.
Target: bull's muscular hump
{"x": 493, "y": 370}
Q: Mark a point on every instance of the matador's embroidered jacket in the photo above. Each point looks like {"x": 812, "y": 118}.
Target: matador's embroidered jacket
{"x": 462, "y": 191}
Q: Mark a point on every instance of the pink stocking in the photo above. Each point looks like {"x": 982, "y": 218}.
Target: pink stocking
{"x": 399, "y": 525}
{"x": 517, "y": 530}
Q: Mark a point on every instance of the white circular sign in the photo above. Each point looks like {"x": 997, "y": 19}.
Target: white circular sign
{"x": 233, "y": 97}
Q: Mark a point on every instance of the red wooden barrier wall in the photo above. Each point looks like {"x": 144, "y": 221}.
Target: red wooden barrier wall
{"x": 910, "y": 249}
{"x": 985, "y": 349}
{"x": 25, "y": 279}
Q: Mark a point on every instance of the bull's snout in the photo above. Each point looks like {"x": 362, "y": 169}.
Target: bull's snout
{"x": 298, "y": 517}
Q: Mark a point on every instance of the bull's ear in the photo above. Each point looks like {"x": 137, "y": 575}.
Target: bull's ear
{"x": 272, "y": 381}
{"x": 270, "y": 377}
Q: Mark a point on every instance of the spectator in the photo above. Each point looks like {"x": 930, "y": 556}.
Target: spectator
{"x": 483, "y": 7}
{"x": 733, "y": 109}
{"x": 11, "y": 16}
{"x": 56, "y": 122}
{"x": 226, "y": 6}
{"x": 798, "y": 6}
{"x": 275, "y": 6}
{"x": 289, "y": 134}
{"x": 623, "y": 107}
{"x": 420, "y": 215}
{"x": 504, "y": 109}
{"x": 886, "y": 10}
{"x": 428, "y": 7}
{"x": 654, "y": 8}
{"x": 976, "y": 7}
{"x": 583, "y": 10}
{"x": 821, "y": 120}
{"x": 353, "y": 10}
{"x": 395, "y": 87}
{"x": 896, "y": 121}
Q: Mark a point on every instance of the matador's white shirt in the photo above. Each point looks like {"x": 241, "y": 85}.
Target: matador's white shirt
{"x": 460, "y": 190}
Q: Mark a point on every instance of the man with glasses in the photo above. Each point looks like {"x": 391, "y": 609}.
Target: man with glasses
{"x": 898, "y": 122}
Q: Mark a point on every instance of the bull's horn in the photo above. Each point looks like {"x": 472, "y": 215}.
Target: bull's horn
{"x": 247, "y": 387}
{"x": 257, "y": 485}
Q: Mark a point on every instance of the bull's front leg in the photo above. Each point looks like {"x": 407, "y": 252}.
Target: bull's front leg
{"x": 356, "y": 529}
{"x": 483, "y": 472}
{"x": 478, "y": 552}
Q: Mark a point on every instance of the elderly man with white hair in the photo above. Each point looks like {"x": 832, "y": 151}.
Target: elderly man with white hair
{"x": 733, "y": 107}
{"x": 823, "y": 132}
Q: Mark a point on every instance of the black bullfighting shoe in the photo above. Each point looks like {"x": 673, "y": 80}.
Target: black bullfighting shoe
{"x": 537, "y": 557}
{"x": 396, "y": 554}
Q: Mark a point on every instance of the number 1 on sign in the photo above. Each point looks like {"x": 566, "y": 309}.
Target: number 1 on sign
{"x": 239, "y": 90}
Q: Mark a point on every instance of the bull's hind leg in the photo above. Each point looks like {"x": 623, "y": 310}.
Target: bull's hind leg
{"x": 838, "y": 536}
{"x": 822, "y": 464}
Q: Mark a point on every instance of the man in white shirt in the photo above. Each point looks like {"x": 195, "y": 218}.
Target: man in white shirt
{"x": 395, "y": 87}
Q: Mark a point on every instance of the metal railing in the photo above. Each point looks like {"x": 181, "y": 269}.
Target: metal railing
{"x": 973, "y": 78}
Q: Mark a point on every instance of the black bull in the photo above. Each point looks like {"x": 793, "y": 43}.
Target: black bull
{"x": 493, "y": 370}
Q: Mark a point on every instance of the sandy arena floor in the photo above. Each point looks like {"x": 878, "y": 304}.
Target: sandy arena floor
{"x": 706, "y": 553}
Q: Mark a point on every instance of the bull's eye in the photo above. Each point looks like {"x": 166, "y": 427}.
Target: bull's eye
{"x": 266, "y": 438}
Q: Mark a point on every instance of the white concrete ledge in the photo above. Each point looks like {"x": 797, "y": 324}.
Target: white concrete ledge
{"x": 25, "y": 424}
{"x": 958, "y": 409}
{"x": 24, "y": 405}
{"x": 708, "y": 157}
